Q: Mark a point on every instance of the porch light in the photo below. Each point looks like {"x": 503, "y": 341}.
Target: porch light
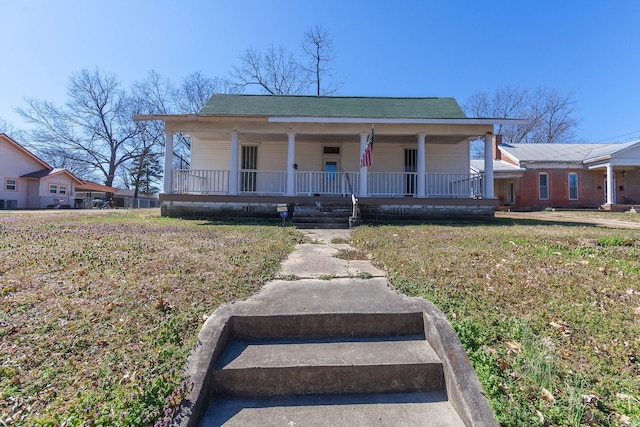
{"x": 624, "y": 174}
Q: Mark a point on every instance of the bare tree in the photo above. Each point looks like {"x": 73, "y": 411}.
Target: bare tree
{"x": 196, "y": 89}
{"x": 94, "y": 128}
{"x": 12, "y": 131}
{"x": 275, "y": 72}
{"x": 318, "y": 46}
{"x": 550, "y": 113}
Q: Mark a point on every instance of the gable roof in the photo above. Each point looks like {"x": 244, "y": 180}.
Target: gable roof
{"x": 95, "y": 187}
{"x": 609, "y": 150}
{"x": 499, "y": 166}
{"x": 330, "y": 106}
{"x": 9, "y": 140}
{"x": 565, "y": 153}
{"x": 549, "y": 153}
{"x": 51, "y": 172}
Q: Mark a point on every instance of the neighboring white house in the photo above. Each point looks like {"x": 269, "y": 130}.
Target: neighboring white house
{"x": 251, "y": 151}
{"x": 29, "y": 182}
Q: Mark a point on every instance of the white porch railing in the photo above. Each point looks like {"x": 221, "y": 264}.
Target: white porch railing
{"x": 310, "y": 183}
{"x": 186, "y": 181}
{"x": 391, "y": 183}
{"x": 379, "y": 184}
{"x": 262, "y": 182}
{"x": 453, "y": 185}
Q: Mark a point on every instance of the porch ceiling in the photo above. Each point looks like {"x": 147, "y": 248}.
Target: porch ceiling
{"x": 262, "y": 130}
{"x": 341, "y": 139}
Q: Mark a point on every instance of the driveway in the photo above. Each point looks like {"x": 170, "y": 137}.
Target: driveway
{"x": 600, "y": 220}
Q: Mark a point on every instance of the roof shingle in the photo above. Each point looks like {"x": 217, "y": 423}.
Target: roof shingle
{"x": 324, "y": 106}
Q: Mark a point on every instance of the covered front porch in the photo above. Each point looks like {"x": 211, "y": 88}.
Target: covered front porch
{"x": 328, "y": 183}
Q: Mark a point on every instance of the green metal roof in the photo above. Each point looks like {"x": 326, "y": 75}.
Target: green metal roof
{"x": 331, "y": 106}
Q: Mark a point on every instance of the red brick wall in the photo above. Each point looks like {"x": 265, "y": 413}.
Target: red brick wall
{"x": 589, "y": 195}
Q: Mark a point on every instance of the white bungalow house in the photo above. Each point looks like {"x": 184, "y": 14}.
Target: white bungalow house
{"x": 252, "y": 152}
{"x": 30, "y": 183}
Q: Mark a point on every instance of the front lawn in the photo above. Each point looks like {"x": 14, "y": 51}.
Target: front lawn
{"x": 549, "y": 314}
{"x": 100, "y": 310}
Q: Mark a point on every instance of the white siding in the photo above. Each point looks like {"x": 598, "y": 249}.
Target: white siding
{"x": 448, "y": 158}
{"x": 210, "y": 154}
{"x": 272, "y": 156}
{"x": 351, "y": 157}
{"x": 13, "y": 164}
{"x": 631, "y": 156}
{"x": 387, "y": 158}
{"x": 308, "y": 156}
{"x": 47, "y": 198}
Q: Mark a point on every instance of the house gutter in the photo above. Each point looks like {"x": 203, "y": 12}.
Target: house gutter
{"x": 382, "y": 120}
{"x": 303, "y": 119}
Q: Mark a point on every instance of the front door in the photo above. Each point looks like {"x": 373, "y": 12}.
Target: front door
{"x": 331, "y": 176}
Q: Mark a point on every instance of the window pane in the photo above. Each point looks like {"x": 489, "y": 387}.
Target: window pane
{"x": 573, "y": 186}
{"x": 11, "y": 184}
{"x": 63, "y": 189}
{"x": 331, "y": 150}
{"x": 53, "y": 189}
{"x": 543, "y": 184}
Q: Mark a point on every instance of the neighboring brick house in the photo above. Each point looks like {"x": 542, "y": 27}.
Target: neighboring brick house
{"x": 569, "y": 176}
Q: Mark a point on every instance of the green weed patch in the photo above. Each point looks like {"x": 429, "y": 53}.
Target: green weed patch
{"x": 100, "y": 311}
{"x": 549, "y": 314}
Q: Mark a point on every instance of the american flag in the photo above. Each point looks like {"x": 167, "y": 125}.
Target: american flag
{"x": 367, "y": 156}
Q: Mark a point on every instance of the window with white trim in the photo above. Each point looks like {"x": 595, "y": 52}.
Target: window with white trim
{"x": 10, "y": 184}
{"x": 62, "y": 189}
{"x": 53, "y": 189}
{"x": 543, "y": 186}
{"x": 573, "y": 186}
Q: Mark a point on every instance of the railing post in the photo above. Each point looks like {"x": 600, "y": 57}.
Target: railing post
{"x": 488, "y": 166}
{"x": 291, "y": 158}
{"x": 363, "y": 190}
{"x": 421, "y": 167}
{"x": 168, "y": 162}
{"x": 233, "y": 164}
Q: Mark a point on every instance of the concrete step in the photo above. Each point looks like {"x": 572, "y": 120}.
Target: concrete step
{"x": 335, "y": 352}
{"x": 299, "y": 367}
{"x": 322, "y": 326}
{"x": 383, "y": 410}
{"x": 323, "y": 215}
{"x": 342, "y": 225}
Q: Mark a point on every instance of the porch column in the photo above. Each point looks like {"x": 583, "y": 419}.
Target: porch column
{"x": 363, "y": 169}
{"x": 610, "y": 190}
{"x": 488, "y": 166}
{"x": 168, "y": 162}
{"x": 421, "y": 167}
{"x": 233, "y": 164}
{"x": 291, "y": 158}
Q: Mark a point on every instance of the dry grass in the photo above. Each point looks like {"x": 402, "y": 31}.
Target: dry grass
{"x": 99, "y": 311}
{"x": 549, "y": 314}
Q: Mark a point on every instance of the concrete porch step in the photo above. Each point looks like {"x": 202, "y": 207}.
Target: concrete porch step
{"x": 325, "y": 352}
{"x": 385, "y": 410}
{"x": 302, "y": 367}
{"x": 310, "y": 217}
{"x": 342, "y": 225}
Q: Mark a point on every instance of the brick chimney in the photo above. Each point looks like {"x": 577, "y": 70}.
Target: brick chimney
{"x": 497, "y": 154}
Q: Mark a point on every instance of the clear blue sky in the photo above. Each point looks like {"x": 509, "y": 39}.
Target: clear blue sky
{"x": 449, "y": 48}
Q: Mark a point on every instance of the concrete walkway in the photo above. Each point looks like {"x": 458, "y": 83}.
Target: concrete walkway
{"x": 316, "y": 258}
{"x": 331, "y": 343}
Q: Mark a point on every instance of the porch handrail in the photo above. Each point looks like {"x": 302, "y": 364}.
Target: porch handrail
{"x": 384, "y": 184}
{"x": 346, "y": 175}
